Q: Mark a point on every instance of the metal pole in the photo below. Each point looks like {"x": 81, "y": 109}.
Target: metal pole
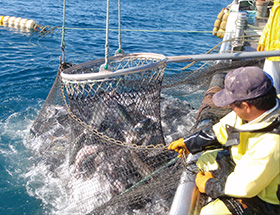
{"x": 222, "y": 56}
{"x": 185, "y": 197}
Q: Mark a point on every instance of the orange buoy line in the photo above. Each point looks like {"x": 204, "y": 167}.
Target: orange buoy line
{"x": 18, "y": 22}
{"x": 220, "y": 23}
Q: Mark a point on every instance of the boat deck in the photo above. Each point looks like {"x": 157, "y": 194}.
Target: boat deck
{"x": 255, "y": 31}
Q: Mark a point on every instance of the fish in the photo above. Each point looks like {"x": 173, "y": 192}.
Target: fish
{"x": 143, "y": 168}
{"x": 53, "y": 115}
{"x": 84, "y": 153}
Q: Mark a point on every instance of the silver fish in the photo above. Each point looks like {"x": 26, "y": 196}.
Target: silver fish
{"x": 85, "y": 152}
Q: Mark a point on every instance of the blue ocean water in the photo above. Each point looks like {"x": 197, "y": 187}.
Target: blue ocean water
{"x": 29, "y": 62}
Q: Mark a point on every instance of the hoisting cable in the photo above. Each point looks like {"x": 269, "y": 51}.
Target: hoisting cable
{"x": 107, "y": 36}
{"x": 119, "y": 51}
{"x": 105, "y": 68}
{"x": 63, "y": 65}
{"x": 119, "y": 15}
{"x": 63, "y": 33}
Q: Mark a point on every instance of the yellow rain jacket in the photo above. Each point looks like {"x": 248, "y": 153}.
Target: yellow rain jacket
{"x": 270, "y": 37}
{"x": 256, "y": 154}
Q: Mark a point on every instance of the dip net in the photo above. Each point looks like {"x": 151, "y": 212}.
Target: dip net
{"x": 103, "y": 135}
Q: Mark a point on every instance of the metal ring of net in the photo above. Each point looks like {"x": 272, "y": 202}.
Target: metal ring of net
{"x": 122, "y": 104}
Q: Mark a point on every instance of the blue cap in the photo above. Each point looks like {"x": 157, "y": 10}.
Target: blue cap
{"x": 242, "y": 84}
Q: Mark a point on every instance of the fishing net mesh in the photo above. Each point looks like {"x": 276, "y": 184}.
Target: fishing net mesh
{"x": 104, "y": 139}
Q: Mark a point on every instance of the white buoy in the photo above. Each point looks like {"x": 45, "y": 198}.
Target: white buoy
{"x": 30, "y": 24}
{"x": 11, "y": 21}
{"x": 6, "y": 20}
{"x": 17, "y": 22}
{"x": 22, "y": 23}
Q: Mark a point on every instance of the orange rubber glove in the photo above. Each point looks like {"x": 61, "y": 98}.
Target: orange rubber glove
{"x": 201, "y": 179}
{"x": 179, "y": 146}
{"x": 260, "y": 48}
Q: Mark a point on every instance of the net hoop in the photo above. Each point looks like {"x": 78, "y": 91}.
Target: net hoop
{"x": 89, "y": 71}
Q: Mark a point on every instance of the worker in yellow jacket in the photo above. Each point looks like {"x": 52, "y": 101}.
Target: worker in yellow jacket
{"x": 270, "y": 41}
{"x": 243, "y": 176}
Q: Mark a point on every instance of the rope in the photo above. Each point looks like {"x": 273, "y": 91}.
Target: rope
{"x": 216, "y": 46}
{"x": 63, "y": 32}
{"x": 107, "y": 37}
{"x": 194, "y": 62}
{"x": 120, "y": 41}
{"x": 140, "y": 30}
{"x": 128, "y": 30}
{"x": 209, "y": 51}
{"x": 149, "y": 176}
{"x": 144, "y": 179}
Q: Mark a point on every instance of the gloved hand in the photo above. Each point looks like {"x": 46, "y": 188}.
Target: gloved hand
{"x": 260, "y": 48}
{"x": 179, "y": 146}
{"x": 201, "y": 179}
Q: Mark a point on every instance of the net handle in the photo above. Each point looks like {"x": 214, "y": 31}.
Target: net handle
{"x": 100, "y": 75}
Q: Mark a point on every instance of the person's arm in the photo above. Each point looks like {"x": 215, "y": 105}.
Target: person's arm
{"x": 208, "y": 137}
{"x": 215, "y": 186}
{"x": 265, "y": 34}
{"x": 202, "y": 140}
{"x": 255, "y": 171}
{"x": 196, "y": 142}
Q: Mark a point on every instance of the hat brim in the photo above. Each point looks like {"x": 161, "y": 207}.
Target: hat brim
{"x": 222, "y": 98}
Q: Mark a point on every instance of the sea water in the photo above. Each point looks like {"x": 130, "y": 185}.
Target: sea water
{"x": 29, "y": 63}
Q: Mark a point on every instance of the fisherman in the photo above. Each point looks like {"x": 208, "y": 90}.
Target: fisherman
{"x": 270, "y": 41}
{"x": 243, "y": 177}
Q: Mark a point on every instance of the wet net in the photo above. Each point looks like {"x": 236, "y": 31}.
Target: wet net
{"x": 103, "y": 136}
